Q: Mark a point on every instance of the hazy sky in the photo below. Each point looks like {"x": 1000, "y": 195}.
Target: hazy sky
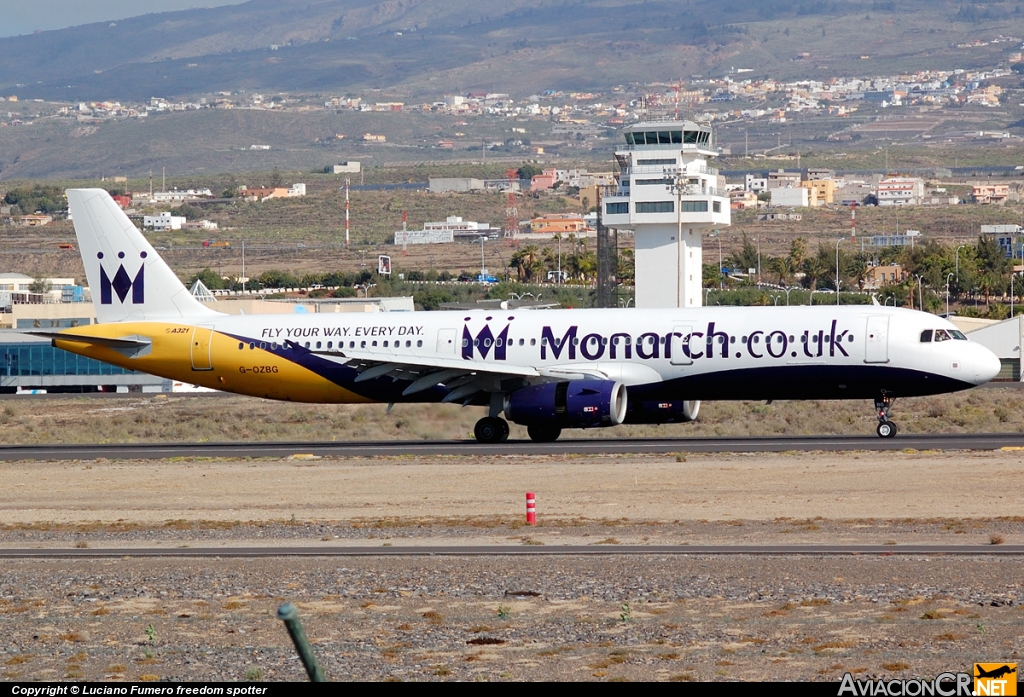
{"x": 26, "y": 16}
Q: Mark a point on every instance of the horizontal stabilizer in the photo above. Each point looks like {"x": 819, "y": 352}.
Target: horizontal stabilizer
{"x": 127, "y": 342}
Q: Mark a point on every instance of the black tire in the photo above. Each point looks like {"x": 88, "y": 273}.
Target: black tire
{"x": 490, "y": 430}
{"x": 544, "y": 434}
{"x": 886, "y": 429}
{"x": 505, "y": 431}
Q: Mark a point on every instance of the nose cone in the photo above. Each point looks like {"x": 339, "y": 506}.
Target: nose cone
{"x": 986, "y": 365}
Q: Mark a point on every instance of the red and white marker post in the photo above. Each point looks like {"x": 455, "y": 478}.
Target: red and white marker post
{"x": 531, "y": 508}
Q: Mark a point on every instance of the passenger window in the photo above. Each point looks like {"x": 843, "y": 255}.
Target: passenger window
{"x": 307, "y": 344}
{"x": 318, "y": 344}
{"x": 533, "y": 342}
{"x": 926, "y": 336}
{"x": 408, "y": 344}
{"x": 252, "y": 345}
{"x": 374, "y": 344}
{"x": 465, "y": 343}
{"x": 522, "y": 342}
{"x": 385, "y": 343}
{"x": 362, "y": 344}
{"x": 330, "y": 344}
{"x": 263, "y": 344}
{"x": 419, "y": 343}
{"x": 351, "y": 344}
{"x": 241, "y": 346}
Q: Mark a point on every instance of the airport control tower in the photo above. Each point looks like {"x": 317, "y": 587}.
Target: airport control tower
{"x": 669, "y": 196}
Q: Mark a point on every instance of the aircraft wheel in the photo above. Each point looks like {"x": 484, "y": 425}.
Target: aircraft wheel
{"x": 544, "y": 434}
{"x": 887, "y": 429}
{"x": 491, "y": 429}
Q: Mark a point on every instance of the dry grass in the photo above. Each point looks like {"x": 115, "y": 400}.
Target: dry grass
{"x": 180, "y": 418}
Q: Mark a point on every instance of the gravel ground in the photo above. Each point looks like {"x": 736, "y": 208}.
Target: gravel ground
{"x": 501, "y": 618}
{"x": 636, "y": 618}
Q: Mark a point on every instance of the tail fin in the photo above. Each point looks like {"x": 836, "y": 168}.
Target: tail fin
{"x": 128, "y": 279}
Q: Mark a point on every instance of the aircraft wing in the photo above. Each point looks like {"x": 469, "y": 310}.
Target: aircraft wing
{"x": 465, "y": 379}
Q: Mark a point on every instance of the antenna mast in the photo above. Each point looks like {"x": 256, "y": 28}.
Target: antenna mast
{"x": 346, "y": 211}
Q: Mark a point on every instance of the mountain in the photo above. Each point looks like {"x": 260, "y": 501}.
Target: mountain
{"x": 428, "y": 47}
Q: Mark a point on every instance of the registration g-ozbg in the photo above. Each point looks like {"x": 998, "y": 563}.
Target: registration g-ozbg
{"x": 258, "y": 369}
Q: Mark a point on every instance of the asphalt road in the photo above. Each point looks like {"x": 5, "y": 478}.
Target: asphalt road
{"x": 604, "y": 446}
{"x": 519, "y": 550}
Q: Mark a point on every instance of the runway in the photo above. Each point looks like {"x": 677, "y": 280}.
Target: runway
{"x": 519, "y": 551}
{"x": 594, "y": 446}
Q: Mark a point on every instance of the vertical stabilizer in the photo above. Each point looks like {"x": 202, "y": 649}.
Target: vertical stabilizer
{"x": 128, "y": 279}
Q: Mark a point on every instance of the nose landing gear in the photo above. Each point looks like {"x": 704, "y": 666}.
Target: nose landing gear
{"x": 886, "y": 428}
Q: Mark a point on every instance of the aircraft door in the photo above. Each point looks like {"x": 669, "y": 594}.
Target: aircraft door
{"x": 446, "y": 342}
{"x": 202, "y": 346}
{"x": 876, "y": 344}
{"x": 681, "y": 345}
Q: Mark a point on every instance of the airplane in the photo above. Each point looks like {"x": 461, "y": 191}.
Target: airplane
{"x": 546, "y": 369}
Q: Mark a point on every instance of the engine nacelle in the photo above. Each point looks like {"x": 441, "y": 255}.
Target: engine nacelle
{"x": 574, "y": 404}
{"x": 663, "y": 412}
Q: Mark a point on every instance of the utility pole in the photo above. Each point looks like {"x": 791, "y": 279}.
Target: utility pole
{"x": 346, "y": 210}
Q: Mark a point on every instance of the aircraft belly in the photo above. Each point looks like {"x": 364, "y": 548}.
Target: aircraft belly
{"x": 801, "y": 382}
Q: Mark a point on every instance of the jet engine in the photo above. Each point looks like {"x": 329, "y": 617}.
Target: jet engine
{"x": 573, "y": 404}
{"x": 663, "y": 412}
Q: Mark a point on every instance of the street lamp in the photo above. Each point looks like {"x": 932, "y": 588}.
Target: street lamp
{"x": 775, "y": 298}
{"x": 677, "y": 185}
{"x": 1012, "y": 274}
{"x": 949, "y": 276}
{"x": 920, "y": 292}
{"x": 837, "y": 269}
{"x": 787, "y": 294}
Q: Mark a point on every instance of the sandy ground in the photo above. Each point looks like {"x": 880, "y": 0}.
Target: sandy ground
{"x": 714, "y": 487}
{"x": 651, "y": 617}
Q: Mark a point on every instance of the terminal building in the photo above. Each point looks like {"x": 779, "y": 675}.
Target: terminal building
{"x": 669, "y": 196}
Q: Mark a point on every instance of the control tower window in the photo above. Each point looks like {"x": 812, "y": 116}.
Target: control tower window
{"x": 629, "y": 139}
{"x": 677, "y": 136}
{"x": 664, "y": 138}
{"x": 690, "y": 136}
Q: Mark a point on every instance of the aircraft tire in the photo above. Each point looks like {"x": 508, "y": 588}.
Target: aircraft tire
{"x": 544, "y": 434}
{"x": 886, "y": 429}
{"x": 491, "y": 429}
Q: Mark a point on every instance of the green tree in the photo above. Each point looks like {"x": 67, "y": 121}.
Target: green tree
{"x": 210, "y": 279}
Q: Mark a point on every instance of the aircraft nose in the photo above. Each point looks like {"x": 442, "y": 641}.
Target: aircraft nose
{"x": 986, "y": 366}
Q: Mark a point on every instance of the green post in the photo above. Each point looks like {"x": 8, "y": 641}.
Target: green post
{"x": 288, "y": 614}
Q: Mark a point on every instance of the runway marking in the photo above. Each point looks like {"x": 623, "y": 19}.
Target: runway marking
{"x": 976, "y": 441}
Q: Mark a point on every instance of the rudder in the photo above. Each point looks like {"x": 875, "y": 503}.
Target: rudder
{"x": 128, "y": 279}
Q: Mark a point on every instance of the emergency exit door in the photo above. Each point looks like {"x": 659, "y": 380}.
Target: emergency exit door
{"x": 202, "y": 345}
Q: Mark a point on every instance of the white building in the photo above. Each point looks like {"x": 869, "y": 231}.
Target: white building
{"x": 900, "y": 191}
{"x": 755, "y": 184}
{"x": 438, "y": 233}
{"x": 163, "y": 221}
{"x": 669, "y": 196}
{"x": 791, "y": 197}
{"x": 346, "y": 168}
{"x": 297, "y": 190}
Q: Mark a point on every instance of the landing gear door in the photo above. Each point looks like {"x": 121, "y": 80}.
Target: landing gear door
{"x": 202, "y": 346}
{"x": 446, "y": 342}
{"x": 876, "y": 343}
{"x": 680, "y": 345}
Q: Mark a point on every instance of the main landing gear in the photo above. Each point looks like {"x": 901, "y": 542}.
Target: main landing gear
{"x": 491, "y": 429}
{"x": 886, "y": 428}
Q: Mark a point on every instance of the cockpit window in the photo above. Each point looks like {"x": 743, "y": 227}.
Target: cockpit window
{"x": 958, "y": 335}
{"x": 941, "y": 335}
{"x": 926, "y": 336}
